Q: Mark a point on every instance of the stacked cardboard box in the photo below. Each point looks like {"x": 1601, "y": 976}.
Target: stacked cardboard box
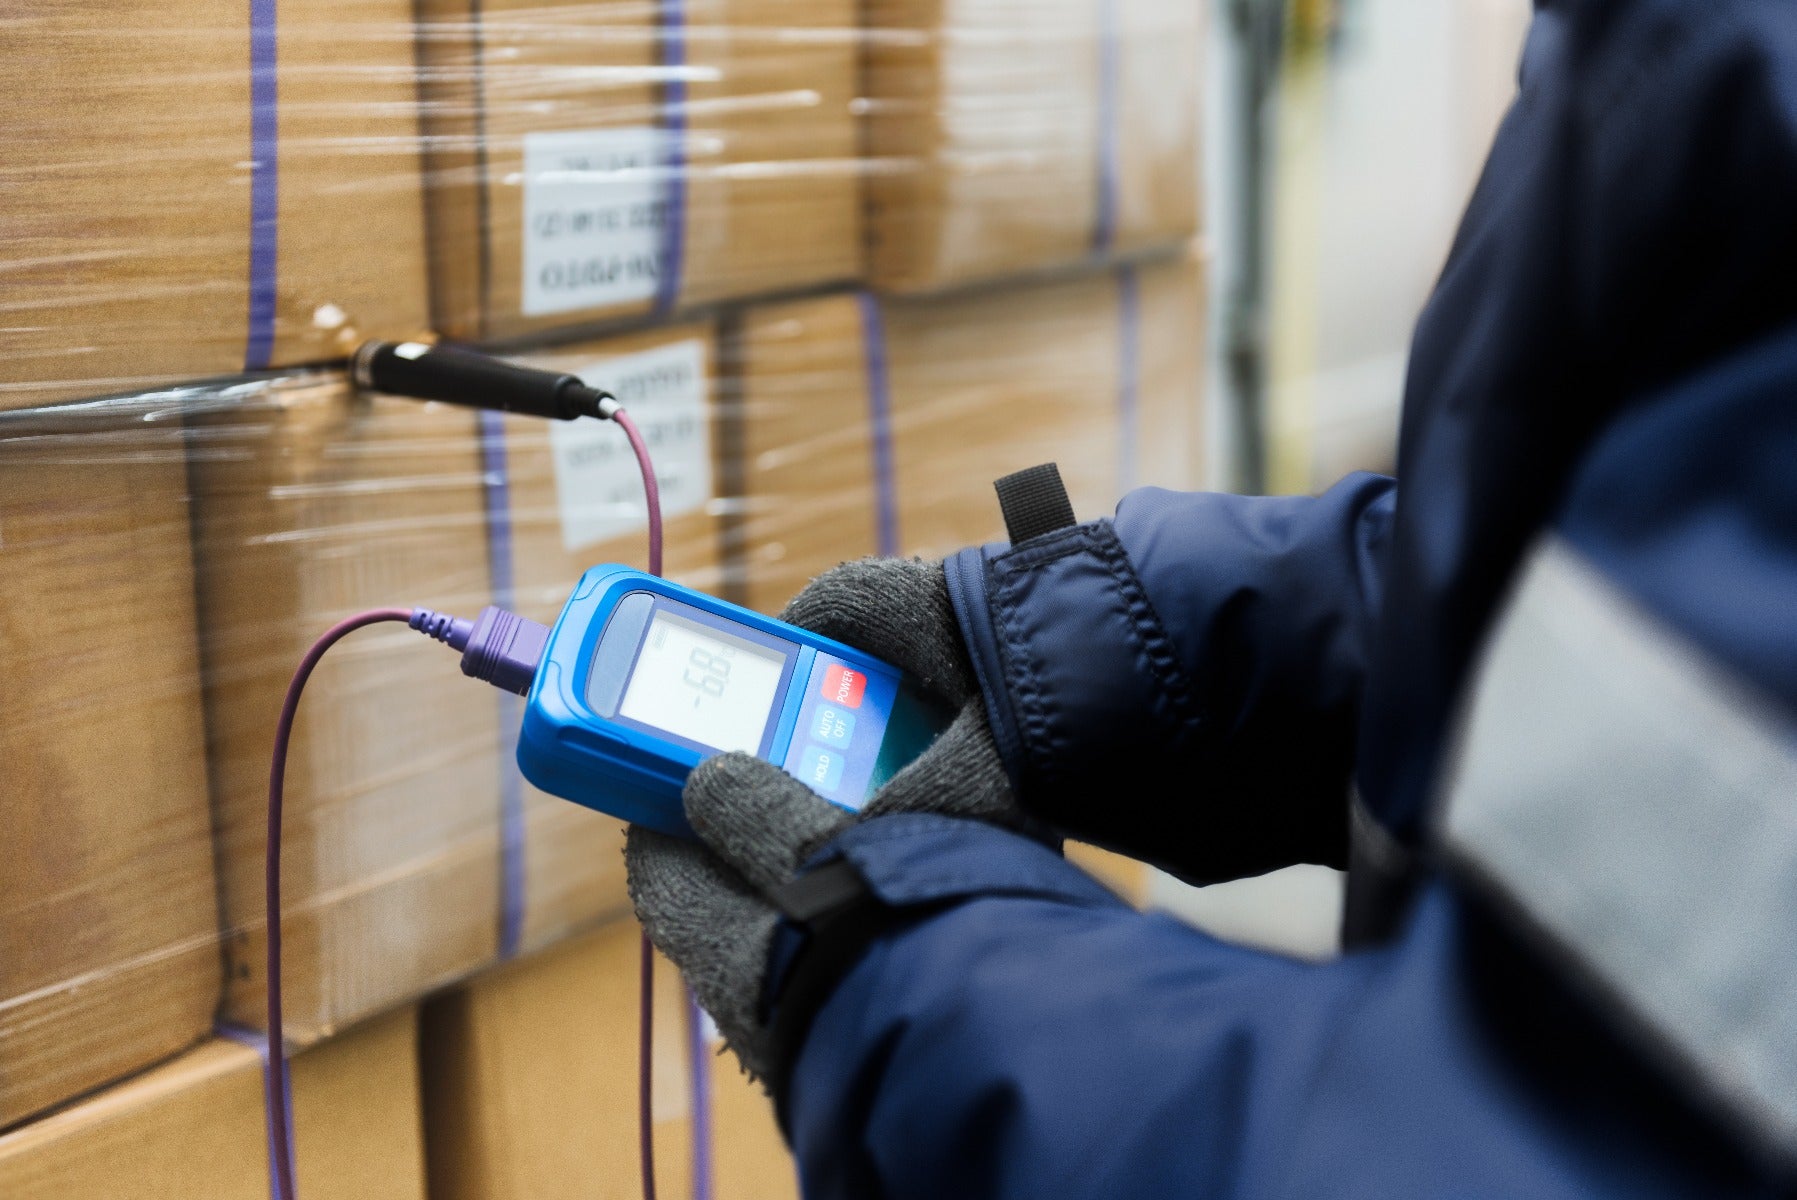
{"x": 173, "y": 206}
{"x": 518, "y": 1106}
{"x": 108, "y": 958}
{"x": 1010, "y": 137}
{"x": 215, "y": 193}
{"x": 593, "y": 161}
{"x": 197, "y": 1127}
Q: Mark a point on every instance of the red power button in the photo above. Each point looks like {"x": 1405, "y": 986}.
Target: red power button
{"x": 843, "y": 685}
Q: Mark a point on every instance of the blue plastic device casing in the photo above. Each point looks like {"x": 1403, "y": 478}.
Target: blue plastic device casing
{"x": 568, "y": 749}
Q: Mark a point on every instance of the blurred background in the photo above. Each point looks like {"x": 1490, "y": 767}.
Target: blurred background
{"x": 1342, "y": 140}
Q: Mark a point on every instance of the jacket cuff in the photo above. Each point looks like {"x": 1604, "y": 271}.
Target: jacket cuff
{"x": 911, "y": 859}
{"x": 907, "y": 866}
{"x": 966, "y": 573}
{"x": 1077, "y": 671}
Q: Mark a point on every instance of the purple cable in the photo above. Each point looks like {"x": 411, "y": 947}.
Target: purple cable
{"x": 651, "y": 490}
{"x": 280, "y": 1115}
{"x": 498, "y": 646}
{"x": 505, "y": 650}
{"x": 645, "y": 1066}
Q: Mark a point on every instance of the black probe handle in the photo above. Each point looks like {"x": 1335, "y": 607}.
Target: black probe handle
{"x": 426, "y": 372}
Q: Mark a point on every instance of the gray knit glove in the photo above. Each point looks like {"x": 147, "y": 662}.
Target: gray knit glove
{"x": 706, "y": 905}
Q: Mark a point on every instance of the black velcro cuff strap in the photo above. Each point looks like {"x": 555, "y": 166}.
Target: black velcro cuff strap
{"x": 817, "y": 893}
{"x": 1034, "y": 502}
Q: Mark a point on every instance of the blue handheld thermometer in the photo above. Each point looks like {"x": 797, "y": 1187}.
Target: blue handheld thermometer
{"x": 641, "y": 678}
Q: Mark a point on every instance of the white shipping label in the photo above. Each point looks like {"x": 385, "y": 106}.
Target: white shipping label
{"x": 597, "y": 484}
{"x": 596, "y": 213}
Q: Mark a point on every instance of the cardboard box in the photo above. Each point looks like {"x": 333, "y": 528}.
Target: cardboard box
{"x": 1125, "y": 876}
{"x": 1002, "y": 146}
{"x": 187, "y": 194}
{"x": 351, "y": 244}
{"x": 571, "y": 182}
{"x": 575, "y": 501}
{"x": 108, "y": 918}
{"x": 311, "y": 503}
{"x": 197, "y": 1127}
{"x": 1100, "y": 374}
{"x": 806, "y": 493}
{"x": 530, "y": 1085}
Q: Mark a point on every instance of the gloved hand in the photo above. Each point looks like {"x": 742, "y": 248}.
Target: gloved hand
{"x": 709, "y": 905}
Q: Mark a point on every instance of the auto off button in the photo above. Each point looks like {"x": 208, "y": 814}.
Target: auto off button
{"x": 831, "y": 726}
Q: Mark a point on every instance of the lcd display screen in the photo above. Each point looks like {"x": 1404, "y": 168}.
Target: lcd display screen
{"x": 702, "y": 684}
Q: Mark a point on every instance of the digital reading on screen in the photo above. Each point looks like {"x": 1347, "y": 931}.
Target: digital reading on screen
{"x": 703, "y": 684}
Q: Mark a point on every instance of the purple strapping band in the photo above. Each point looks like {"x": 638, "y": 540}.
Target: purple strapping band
{"x": 1104, "y": 217}
{"x": 498, "y": 494}
{"x": 1129, "y": 417}
{"x": 671, "y": 19}
{"x": 259, "y": 1043}
{"x": 879, "y": 413}
{"x": 671, "y": 27}
{"x": 265, "y": 190}
{"x": 699, "y": 1056}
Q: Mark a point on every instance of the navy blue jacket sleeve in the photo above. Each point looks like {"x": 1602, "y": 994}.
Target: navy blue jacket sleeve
{"x": 1029, "y": 1036}
{"x": 1183, "y": 682}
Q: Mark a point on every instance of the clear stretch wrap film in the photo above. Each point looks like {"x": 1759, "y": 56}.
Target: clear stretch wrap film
{"x": 190, "y": 192}
{"x": 844, "y": 264}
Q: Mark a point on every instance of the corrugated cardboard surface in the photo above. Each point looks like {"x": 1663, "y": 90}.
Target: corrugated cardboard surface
{"x": 196, "y": 1127}
{"x": 312, "y": 503}
{"x": 126, "y": 196}
{"x": 530, "y": 1078}
{"x": 774, "y": 190}
{"x": 351, "y": 240}
{"x": 491, "y": 74}
{"x": 574, "y": 863}
{"x": 358, "y": 1121}
{"x": 1012, "y": 135}
{"x": 806, "y": 499}
{"x": 770, "y": 186}
{"x": 124, "y": 238}
{"x": 985, "y": 385}
{"x": 978, "y": 385}
{"x": 108, "y": 919}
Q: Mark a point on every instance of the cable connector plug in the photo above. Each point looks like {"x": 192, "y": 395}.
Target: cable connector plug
{"x": 426, "y": 372}
{"x": 441, "y": 627}
{"x": 499, "y": 647}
